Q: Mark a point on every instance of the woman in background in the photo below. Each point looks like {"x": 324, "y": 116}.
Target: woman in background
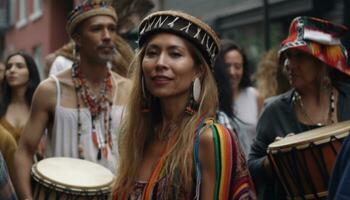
{"x": 21, "y": 80}
{"x": 317, "y": 98}
{"x": 246, "y": 102}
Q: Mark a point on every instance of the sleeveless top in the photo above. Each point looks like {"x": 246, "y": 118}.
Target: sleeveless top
{"x": 63, "y": 140}
{"x": 246, "y": 112}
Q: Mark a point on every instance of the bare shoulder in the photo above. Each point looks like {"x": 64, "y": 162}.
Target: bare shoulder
{"x": 206, "y": 146}
{"x": 45, "y": 94}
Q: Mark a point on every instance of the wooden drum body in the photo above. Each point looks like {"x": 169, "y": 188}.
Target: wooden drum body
{"x": 304, "y": 162}
{"x": 69, "y": 178}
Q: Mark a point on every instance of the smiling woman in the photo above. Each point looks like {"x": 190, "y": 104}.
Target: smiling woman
{"x": 168, "y": 66}
{"x": 170, "y": 147}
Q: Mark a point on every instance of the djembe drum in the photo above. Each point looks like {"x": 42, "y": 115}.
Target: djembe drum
{"x": 63, "y": 178}
{"x": 304, "y": 162}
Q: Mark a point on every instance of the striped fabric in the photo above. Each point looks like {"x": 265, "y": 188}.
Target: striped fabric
{"x": 233, "y": 179}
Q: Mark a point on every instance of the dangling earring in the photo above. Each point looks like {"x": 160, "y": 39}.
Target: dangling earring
{"x": 146, "y": 101}
{"x": 196, "y": 89}
{"x": 193, "y": 104}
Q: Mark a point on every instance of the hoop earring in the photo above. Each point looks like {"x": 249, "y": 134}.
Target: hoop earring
{"x": 193, "y": 104}
{"x": 146, "y": 100}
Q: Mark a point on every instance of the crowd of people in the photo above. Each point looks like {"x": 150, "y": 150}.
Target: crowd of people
{"x": 179, "y": 117}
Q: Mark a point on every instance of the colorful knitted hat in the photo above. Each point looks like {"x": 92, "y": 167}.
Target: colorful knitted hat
{"x": 194, "y": 30}
{"x": 319, "y": 38}
{"x": 87, "y": 9}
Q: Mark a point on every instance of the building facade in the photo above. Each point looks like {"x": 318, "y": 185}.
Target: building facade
{"x": 34, "y": 26}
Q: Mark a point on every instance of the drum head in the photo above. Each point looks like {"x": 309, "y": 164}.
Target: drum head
{"x": 73, "y": 173}
{"x": 316, "y": 136}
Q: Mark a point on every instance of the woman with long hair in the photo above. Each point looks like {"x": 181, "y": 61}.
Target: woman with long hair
{"x": 21, "y": 80}
{"x": 246, "y": 102}
{"x": 170, "y": 148}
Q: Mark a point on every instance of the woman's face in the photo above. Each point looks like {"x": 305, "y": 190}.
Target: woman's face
{"x": 302, "y": 68}
{"x": 17, "y": 73}
{"x": 234, "y": 61}
{"x": 168, "y": 66}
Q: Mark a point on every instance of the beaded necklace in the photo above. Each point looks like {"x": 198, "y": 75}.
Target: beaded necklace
{"x": 96, "y": 105}
{"x": 297, "y": 99}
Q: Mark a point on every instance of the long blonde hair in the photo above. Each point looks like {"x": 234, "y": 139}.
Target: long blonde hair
{"x": 138, "y": 128}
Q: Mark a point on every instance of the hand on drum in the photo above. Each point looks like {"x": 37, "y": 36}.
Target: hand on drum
{"x": 278, "y": 138}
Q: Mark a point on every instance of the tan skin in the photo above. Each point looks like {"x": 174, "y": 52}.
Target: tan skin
{"x": 17, "y": 76}
{"x": 304, "y": 73}
{"x": 169, "y": 69}
{"x": 234, "y": 60}
{"x": 94, "y": 32}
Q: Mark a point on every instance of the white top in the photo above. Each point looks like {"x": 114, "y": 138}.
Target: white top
{"x": 246, "y": 110}
{"x": 59, "y": 64}
{"x": 63, "y": 141}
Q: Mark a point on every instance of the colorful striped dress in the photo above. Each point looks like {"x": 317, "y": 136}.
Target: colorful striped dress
{"x": 233, "y": 180}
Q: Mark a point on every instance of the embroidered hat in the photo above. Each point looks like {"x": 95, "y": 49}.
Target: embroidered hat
{"x": 87, "y": 9}
{"x": 197, "y": 32}
{"x": 319, "y": 38}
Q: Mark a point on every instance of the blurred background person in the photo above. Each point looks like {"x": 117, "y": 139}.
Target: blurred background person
{"x": 317, "y": 98}
{"x": 270, "y": 78}
{"x": 64, "y": 58}
{"x": 21, "y": 80}
{"x": 246, "y": 102}
{"x": 225, "y": 114}
{"x": 49, "y": 59}
{"x": 124, "y": 54}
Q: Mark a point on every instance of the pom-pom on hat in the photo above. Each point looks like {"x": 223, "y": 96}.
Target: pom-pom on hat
{"x": 87, "y": 9}
{"x": 184, "y": 25}
{"x": 320, "y": 38}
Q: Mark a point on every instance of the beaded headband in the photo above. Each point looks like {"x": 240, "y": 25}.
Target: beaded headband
{"x": 86, "y": 10}
{"x": 197, "y": 32}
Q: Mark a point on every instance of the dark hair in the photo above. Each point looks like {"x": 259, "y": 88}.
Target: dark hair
{"x": 33, "y": 82}
{"x": 224, "y": 85}
{"x": 229, "y": 45}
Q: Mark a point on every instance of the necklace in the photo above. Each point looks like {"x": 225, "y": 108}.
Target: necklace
{"x": 96, "y": 105}
{"x": 298, "y": 100}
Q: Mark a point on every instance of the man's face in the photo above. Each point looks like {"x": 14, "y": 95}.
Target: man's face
{"x": 95, "y": 39}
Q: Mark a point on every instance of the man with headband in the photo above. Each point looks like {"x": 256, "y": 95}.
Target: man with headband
{"x": 81, "y": 107}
